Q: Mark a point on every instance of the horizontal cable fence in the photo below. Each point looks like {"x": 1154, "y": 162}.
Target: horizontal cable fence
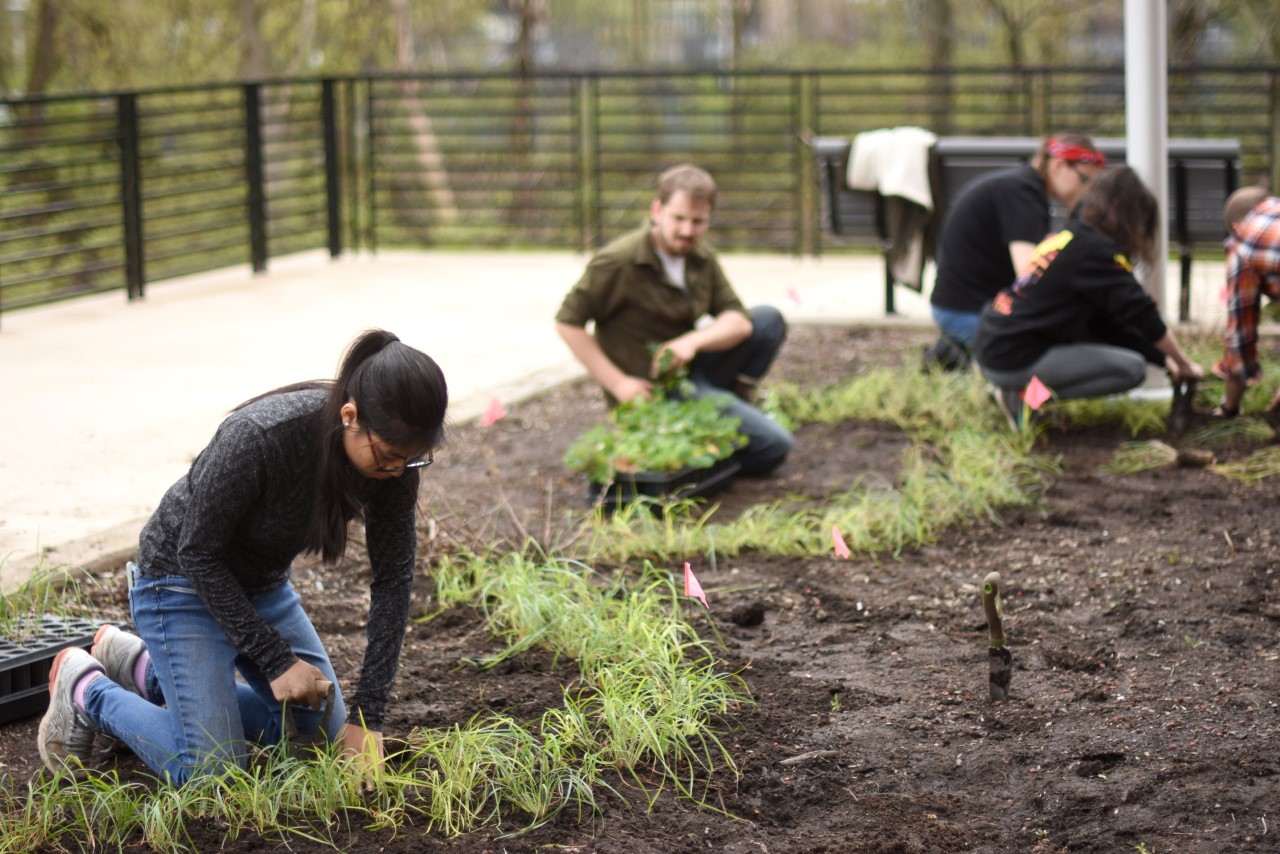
{"x": 113, "y": 191}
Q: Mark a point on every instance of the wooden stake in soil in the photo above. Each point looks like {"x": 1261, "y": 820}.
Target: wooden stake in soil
{"x": 999, "y": 659}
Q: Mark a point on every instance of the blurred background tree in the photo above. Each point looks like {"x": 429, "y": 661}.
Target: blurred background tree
{"x": 52, "y": 46}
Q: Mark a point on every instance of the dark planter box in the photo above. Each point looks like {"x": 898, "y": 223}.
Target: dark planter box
{"x": 686, "y": 483}
{"x": 25, "y": 663}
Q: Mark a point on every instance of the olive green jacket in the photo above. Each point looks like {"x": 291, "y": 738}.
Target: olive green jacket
{"x": 635, "y": 306}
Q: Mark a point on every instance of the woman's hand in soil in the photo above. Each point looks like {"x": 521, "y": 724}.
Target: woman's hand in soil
{"x": 300, "y": 684}
{"x": 364, "y": 748}
{"x": 1183, "y": 369}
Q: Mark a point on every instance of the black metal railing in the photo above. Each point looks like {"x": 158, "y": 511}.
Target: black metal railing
{"x": 114, "y": 191}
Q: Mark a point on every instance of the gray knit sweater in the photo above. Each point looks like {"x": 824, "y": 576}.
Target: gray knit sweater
{"x": 235, "y": 522}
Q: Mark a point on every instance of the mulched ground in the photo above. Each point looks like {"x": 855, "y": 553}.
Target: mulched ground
{"x": 1143, "y": 613}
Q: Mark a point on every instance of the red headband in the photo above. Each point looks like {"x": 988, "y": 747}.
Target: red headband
{"x": 1073, "y": 153}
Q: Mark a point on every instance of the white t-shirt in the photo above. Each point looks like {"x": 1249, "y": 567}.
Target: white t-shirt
{"x": 674, "y": 268}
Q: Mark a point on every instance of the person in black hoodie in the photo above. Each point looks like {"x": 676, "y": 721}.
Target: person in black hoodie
{"x": 1076, "y": 317}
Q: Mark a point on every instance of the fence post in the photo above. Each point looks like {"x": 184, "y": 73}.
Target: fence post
{"x": 593, "y": 133}
{"x": 254, "y": 174}
{"x": 807, "y": 239}
{"x": 332, "y": 163}
{"x": 351, "y": 162}
{"x": 1274, "y": 154}
{"x": 130, "y": 194}
{"x": 1038, "y": 108}
{"x": 371, "y": 190}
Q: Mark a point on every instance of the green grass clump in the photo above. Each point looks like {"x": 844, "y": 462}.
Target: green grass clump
{"x": 1224, "y": 431}
{"x": 1137, "y": 416}
{"x": 1133, "y": 457}
{"x": 1257, "y": 466}
{"x": 50, "y": 591}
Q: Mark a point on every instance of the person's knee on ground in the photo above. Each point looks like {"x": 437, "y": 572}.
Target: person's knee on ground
{"x": 768, "y": 327}
{"x": 947, "y": 354}
{"x": 765, "y": 450}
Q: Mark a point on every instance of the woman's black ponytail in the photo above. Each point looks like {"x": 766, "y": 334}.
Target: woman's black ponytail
{"x": 400, "y": 394}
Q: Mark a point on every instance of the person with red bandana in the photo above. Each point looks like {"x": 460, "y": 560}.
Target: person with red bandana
{"x": 992, "y": 229}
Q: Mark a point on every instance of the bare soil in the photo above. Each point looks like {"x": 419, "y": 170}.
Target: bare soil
{"x": 1144, "y": 620}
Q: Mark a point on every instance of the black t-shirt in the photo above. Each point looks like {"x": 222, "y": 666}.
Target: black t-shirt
{"x": 1079, "y": 287}
{"x": 991, "y": 212}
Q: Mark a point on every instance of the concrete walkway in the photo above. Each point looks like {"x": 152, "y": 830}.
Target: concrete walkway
{"x": 114, "y": 399}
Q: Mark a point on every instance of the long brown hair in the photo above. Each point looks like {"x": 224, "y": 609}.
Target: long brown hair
{"x": 1118, "y": 205}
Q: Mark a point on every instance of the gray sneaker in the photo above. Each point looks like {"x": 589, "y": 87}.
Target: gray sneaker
{"x": 117, "y": 651}
{"x": 66, "y": 734}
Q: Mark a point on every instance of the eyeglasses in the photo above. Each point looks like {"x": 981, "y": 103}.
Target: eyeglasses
{"x": 419, "y": 462}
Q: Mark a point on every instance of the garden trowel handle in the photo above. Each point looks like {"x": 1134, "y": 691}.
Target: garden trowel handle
{"x": 992, "y": 608}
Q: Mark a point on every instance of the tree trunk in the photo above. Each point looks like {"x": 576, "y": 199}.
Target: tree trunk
{"x": 940, "y": 41}
{"x": 254, "y": 64}
{"x": 45, "y": 55}
{"x": 426, "y": 148}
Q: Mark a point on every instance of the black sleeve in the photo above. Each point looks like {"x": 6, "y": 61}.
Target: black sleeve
{"x": 391, "y": 537}
{"x": 1127, "y": 316}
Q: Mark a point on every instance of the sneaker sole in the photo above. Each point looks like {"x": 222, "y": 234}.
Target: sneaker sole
{"x": 44, "y": 722}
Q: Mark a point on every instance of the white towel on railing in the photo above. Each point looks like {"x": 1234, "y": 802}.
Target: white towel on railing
{"x": 893, "y": 161}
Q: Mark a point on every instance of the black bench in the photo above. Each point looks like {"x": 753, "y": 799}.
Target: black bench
{"x": 1202, "y": 173}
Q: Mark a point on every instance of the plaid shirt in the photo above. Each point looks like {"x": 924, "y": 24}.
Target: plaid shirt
{"x": 1253, "y": 269}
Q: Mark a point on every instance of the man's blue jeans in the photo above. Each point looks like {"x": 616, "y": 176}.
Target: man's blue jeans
{"x": 768, "y": 442}
{"x": 960, "y": 325}
{"x": 208, "y": 715}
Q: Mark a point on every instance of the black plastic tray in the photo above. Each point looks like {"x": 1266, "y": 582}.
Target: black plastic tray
{"x": 686, "y": 483}
{"x": 25, "y": 663}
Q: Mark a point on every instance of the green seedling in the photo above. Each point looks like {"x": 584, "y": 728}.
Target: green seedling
{"x": 1259, "y": 465}
{"x": 662, "y": 435}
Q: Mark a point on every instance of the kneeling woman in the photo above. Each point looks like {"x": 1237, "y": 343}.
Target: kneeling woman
{"x": 224, "y": 640}
{"x": 1076, "y": 317}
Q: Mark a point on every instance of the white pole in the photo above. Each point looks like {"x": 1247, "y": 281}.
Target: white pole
{"x": 1146, "y": 109}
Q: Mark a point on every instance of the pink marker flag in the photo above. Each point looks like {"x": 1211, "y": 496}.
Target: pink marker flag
{"x": 842, "y": 550}
{"x": 1036, "y": 393}
{"x": 793, "y": 294}
{"x": 492, "y": 412}
{"x": 692, "y": 587}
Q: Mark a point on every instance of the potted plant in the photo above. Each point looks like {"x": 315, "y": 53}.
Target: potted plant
{"x": 669, "y": 446}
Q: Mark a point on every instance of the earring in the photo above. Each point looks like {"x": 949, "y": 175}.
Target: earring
{"x": 346, "y": 423}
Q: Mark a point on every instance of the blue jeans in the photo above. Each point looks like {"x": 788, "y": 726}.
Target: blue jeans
{"x": 208, "y": 716}
{"x": 768, "y": 442}
{"x": 960, "y": 325}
